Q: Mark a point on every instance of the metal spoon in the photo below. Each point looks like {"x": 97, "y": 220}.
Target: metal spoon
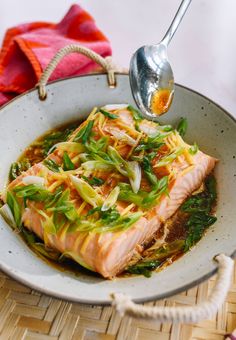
{"x": 151, "y": 76}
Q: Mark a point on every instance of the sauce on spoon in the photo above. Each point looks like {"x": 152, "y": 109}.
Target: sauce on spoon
{"x": 161, "y": 101}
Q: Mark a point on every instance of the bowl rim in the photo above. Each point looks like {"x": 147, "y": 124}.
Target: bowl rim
{"x": 64, "y": 297}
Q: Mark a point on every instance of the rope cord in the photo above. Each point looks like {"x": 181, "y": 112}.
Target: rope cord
{"x": 105, "y": 63}
{"x": 204, "y": 310}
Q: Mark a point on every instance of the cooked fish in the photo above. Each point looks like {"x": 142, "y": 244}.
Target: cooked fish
{"x": 99, "y": 196}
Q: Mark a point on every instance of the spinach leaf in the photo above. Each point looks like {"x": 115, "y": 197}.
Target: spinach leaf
{"x": 144, "y": 267}
{"x": 67, "y": 163}
{"x": 182, "y": 126}
{"x": 108, "y": 114}
{"x": 211, "y": 187}
{"x": 199, "y": 207}
{"x": 196, "y": 226}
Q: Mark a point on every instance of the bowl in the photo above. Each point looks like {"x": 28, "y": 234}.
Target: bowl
{"x": 26, "y": 118}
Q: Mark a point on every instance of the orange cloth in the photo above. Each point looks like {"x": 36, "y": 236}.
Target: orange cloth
{"x": 28, "y": 48}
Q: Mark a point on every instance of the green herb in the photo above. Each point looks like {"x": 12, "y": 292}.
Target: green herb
{"x": 148, "y": 146}
{"x": 142, "y": 198}
{"x": 144, "y": 268}
{"x": 32, "y": 192}
{"x": 85, "y": 132}
{"x": 153, "y": 142}
{"x": 136, "y": 113}
{"x": 17, "y": 168}
{"x": 169, "y": 158}
{"x": 147, "y": 168}
{"x": 97, "y": 146}
{"x": 137, "y": 116}
{"x": 126, "y": 194}
{"x": 182, "y": 126}
{"x": 167, "y": 128}
{"x": 108, "y": 114}
{"x": 15, "y": 208}
{"x": 56, "y": 137}
{"x": 53, "y": 197}
{"x": 193, "y": 149}
{"x": 108, "y": 216}
{"x": 160, "y": 188}
{"x": 51, "y": 165}
{"x": 63, "y": 210}
{"x": 67, "y": 163}
{"x": 121, "y": 224}
{"x": 94, "y": 181}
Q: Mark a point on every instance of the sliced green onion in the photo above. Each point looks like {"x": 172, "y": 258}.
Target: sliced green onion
{"x": 14, "y": 207}
{"x": 108, "y": 114}
{"x": 85, "y": 190}
{"x": 85, "y": 132}
{"x": 68, "y": 146}
{"x": 67, "y": 163}
{"x": 193, "y": 149}
{"x": 182, "y": 127}
{"x": 136, "y": 175}
{"x": 169, "y": 158}
{"x": 111, "y": 199}
{"x": 96, "y": 165}
{"x": 51, "y": 165}
{"x": 6, "y": 213}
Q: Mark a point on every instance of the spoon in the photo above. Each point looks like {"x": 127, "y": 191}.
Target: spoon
{"x": 151, "y": 76}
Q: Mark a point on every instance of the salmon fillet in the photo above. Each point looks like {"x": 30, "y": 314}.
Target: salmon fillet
{"x": 121, "y": 177}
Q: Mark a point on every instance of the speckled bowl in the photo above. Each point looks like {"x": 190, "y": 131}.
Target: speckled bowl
{"x": 26, "y": 118}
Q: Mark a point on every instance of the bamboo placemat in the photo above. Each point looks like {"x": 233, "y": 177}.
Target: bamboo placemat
{"x": 27, "y": 314}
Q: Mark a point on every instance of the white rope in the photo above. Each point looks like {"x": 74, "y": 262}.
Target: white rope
{"x": 204, "y": 310}
{"x": 104, "y": 62}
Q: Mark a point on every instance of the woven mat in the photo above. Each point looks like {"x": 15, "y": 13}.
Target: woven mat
{"x": 26, "y": 314}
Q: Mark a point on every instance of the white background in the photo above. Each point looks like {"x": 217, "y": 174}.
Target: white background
{"x": 202, "y": 53}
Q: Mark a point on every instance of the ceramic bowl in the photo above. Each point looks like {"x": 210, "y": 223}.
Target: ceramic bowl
{"x": 214, "y": 130}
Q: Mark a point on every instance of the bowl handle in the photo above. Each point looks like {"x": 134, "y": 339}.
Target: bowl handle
{"x": 105, "y": 63}
{"x": 188, "y": 314}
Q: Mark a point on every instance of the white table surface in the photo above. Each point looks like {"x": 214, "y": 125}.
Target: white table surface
{"x": 202, "y": 53}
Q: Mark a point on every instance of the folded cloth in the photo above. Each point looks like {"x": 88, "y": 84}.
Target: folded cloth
{"x": 28, "y": 48}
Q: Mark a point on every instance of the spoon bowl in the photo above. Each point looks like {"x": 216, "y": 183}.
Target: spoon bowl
{"x": 151, "y": 75}
{"x": 150, "y": 71}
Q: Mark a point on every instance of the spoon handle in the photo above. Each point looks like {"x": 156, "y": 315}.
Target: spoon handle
{"x": 176, "y": 21}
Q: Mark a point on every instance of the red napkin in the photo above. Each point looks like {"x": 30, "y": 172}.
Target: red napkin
{"x": 28, "y": 48}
